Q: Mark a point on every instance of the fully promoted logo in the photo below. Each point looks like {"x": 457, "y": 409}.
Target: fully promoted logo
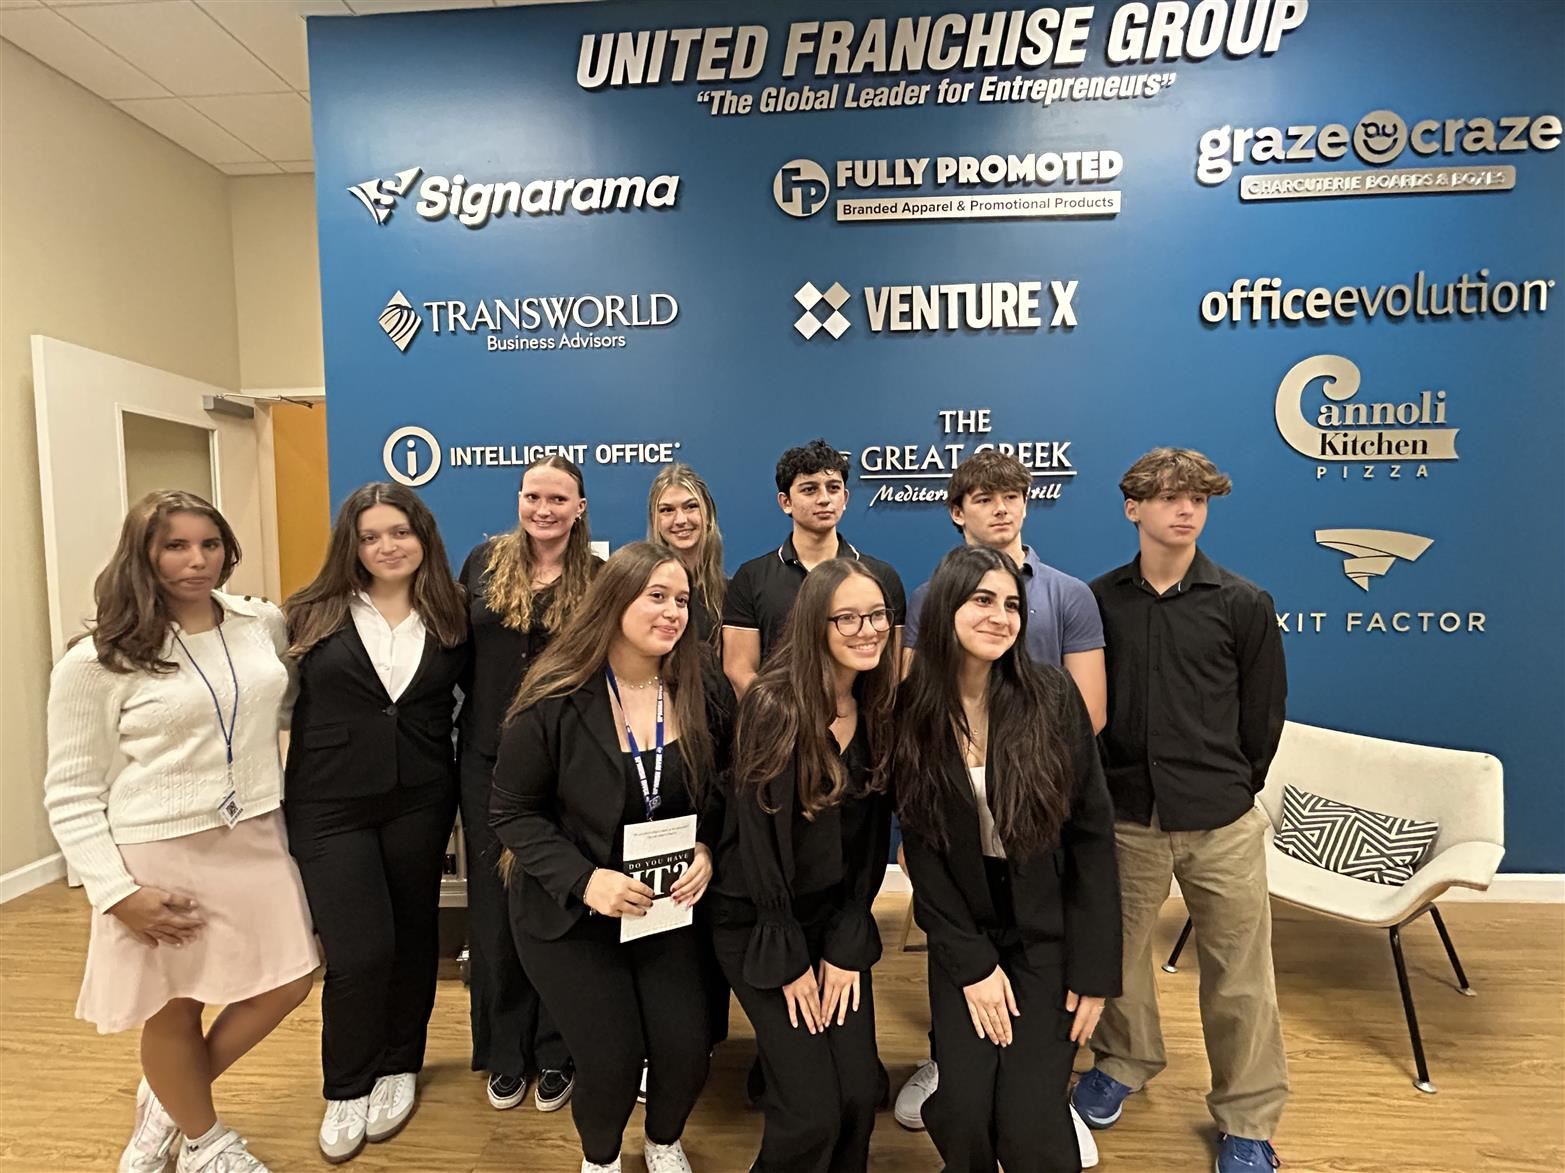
{"x": 475, "y": 204}
{"x": 1379, "y": 138}
{"x": 411, "y": 456}
{"x": 959, "y": 187}
{"x": 973, "y": 306}
{"x": 570, "y": 322}
{"x": 1371, "y": 553}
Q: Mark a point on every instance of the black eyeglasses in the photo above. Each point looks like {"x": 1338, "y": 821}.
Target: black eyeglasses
{"x": 851, "y": 622}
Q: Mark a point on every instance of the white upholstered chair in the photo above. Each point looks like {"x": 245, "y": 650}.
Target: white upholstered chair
{"x": 1461, "y": 790}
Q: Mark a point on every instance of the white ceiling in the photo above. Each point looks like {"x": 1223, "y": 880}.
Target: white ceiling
{"x": 228, "y": 80}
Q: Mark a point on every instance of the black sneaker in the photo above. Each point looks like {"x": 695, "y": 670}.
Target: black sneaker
{"x": 554, "y": 1089}
{"x": 506, "y": 1091}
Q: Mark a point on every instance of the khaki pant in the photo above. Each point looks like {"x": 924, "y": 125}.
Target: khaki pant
{"x": 1222, "y": 875}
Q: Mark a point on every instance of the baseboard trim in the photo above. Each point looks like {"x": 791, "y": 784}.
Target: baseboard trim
{"x": 20, "y": 881}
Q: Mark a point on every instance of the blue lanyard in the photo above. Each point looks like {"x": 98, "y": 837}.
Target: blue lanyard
{"x": 233, "y": 716}
{"x": 651, "y": 796}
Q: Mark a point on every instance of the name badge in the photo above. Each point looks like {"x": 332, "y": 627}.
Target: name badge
{"x": 230, "y": 809}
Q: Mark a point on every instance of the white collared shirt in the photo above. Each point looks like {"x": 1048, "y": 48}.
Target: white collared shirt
{"x": 395, "y": 651}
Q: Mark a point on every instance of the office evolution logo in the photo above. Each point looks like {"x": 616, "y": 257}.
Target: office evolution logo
{"x": 473, "y": 204}
{"x": 568, "y": 322}
{"x": 1475, "y": 145}
{"x": 955, "y": 187}
{"x": 972, "y": 306}
{"x": 1471, "y": 297}
{"x": 1370, "y": 555}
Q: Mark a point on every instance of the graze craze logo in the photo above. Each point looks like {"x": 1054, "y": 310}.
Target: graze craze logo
{"x": 964, "y": 187}
{"x": 1478, "y": 145}
{"x": 1404, "y": 436}
{"x": 916, "y": 474}
{"x": 974, "y": 306}
{"x": 473, "y": 203}
{"x": 518, "y": 324}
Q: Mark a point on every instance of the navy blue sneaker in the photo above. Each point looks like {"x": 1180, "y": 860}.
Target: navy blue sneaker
{"x": 1099, "y": 1099}
{"x": 1237, "y": 1154}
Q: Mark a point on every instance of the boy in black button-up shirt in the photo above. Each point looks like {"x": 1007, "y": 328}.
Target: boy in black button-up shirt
{"x": 1196, "y": 703}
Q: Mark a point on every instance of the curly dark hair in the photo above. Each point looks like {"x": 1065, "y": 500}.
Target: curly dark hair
{"x": 816, "y": 456}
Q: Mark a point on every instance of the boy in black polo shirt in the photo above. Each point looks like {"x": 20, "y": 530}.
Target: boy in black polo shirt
{"x": 1196, "y": 703}
{"x": 812, "y": 488}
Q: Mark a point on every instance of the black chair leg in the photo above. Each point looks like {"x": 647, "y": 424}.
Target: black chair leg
{"x": 1172, "y": 964}
{"x": 1422, "y": 1082}
{"x": 1450, "y": 951}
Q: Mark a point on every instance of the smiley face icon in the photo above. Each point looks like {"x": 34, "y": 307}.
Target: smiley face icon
{"x": 1380, "y": 136}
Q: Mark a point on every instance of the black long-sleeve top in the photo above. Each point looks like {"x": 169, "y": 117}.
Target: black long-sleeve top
{"x": 1198, "y": 692}
{"x": 778, "y": 871}
{"x": 1065, "y": 898}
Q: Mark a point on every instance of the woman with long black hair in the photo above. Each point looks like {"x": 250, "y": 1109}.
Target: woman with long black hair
{"x": 1009, "y": 833}
{"x": 803, "y": 853}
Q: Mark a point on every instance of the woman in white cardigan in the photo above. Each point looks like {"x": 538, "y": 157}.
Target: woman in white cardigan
{"x": 182, "y": 852}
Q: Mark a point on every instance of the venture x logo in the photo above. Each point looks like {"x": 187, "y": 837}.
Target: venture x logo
{"x": 922, "y": 309}
{"x": 474, "y": 204}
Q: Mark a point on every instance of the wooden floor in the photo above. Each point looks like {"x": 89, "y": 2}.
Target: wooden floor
{"x": 1499, "y": 1061}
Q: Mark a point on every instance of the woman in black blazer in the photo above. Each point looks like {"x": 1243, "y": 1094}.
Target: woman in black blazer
{"x": 613, "y": 726}
{"x": 380, "y": 638}
{"x": 1010, "y": 848}
{"x": 803, "y": 853}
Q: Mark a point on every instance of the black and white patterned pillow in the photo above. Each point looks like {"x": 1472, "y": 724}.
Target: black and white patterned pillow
{"x": 1366, "y": 845}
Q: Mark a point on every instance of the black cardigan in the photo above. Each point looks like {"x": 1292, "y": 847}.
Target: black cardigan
{"x": 558, "y": 799}
{"x": 756, "y": 866}
{"x": 1066, "y": 898}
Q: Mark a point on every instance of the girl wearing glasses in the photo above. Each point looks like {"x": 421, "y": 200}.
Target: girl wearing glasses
{"x": 802, "y": 855}
{"x": 1010, "y": 846}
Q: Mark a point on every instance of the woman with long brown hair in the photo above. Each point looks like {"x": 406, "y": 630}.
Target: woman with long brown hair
{"x": 521, "y": 587}
{"x": 802, "y": 855}
{"x": 380, "y": 638}
{"x": 183, "y": 849}
{"x": 1010, "y": 847}
{"x": 614, "y": 727}
{"x": 682, "y": 515}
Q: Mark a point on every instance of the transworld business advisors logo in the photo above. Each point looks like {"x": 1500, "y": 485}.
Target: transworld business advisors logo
{"x": 411, "y": 456}
{"x": 569, "y": 322}
{"x": 400, "y": 321}
{"x": 1371, "y": 553}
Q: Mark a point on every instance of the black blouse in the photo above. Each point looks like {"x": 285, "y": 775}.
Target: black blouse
{"x": 778, "y": 873}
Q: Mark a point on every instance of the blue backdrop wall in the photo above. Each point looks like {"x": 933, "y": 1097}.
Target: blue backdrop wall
{"x": 916, "y": 232}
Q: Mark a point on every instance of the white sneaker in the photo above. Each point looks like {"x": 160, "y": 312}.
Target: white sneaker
{"x": 342, "y": 1131}
{"x": 665, "y": 1158}
{"x": 225, "y": 1154}
{"x": 391, "y": 1103}
{"x": 588, "y": 1167}
{"x": 909, "y": 1108}
{"x": 151, "y": 1145}
{"x": 1084, "y": 1140}
{"x": 641, "y": 1096}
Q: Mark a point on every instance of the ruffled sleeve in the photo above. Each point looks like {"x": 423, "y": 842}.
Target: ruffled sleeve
{"x": 853, "y": 937}
{"x": 777, "y": 953}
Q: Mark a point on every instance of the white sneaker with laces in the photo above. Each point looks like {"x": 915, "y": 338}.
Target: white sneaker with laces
{"x": 224, "y": 1154}
{"x": 1084, "y": 1140}
{"x": 391, "y": 1103}
{"x": 588, "y": 1167}
{"x": 641, "y": 1095}
{"x": 665, "y": 1158}
{"x": 342, "y": 1129}
{"x": 909, "y": 1108}
{"x": 151, "y": 1145}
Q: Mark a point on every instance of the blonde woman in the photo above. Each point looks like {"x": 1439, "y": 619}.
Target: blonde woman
{"x": 682, "y": 515}
{"x": 182, "y": 852}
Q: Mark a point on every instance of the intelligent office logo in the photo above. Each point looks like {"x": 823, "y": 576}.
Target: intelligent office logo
{"x": 1379, "y": 138}
{"x": 971, "y": 306}
{"x": 411, "y": 456}
{"x": 400, "y": 321}
{"x": 1371, "y": 553}
{"x": 475, "y": 204}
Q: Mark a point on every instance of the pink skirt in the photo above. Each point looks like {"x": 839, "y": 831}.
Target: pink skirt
{"x": 257, "y": 933}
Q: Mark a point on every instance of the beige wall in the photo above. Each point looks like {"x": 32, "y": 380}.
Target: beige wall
{"x": 113, "y": 238}
{"x": 278, "y": 282}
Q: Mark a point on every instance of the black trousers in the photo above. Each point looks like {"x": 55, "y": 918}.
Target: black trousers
{"x": 617, "y": 1006}
{"x": 512, "y": 1031}
{"x": 371, "y": 868}
{"x": 821, "y": 1090}
{"x": 1004, "y": 1105}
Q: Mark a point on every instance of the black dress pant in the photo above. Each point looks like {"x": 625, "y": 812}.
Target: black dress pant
{"x": 821, "y": 1091}
{"x": 371, "y": 868}
{"x": 617, "y": 1006}
{"x": 1004, "y": 1105}
{"x": 512, "y": 1031}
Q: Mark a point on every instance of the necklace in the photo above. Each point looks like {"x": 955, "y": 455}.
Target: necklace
{"x": 643, "y": 686}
